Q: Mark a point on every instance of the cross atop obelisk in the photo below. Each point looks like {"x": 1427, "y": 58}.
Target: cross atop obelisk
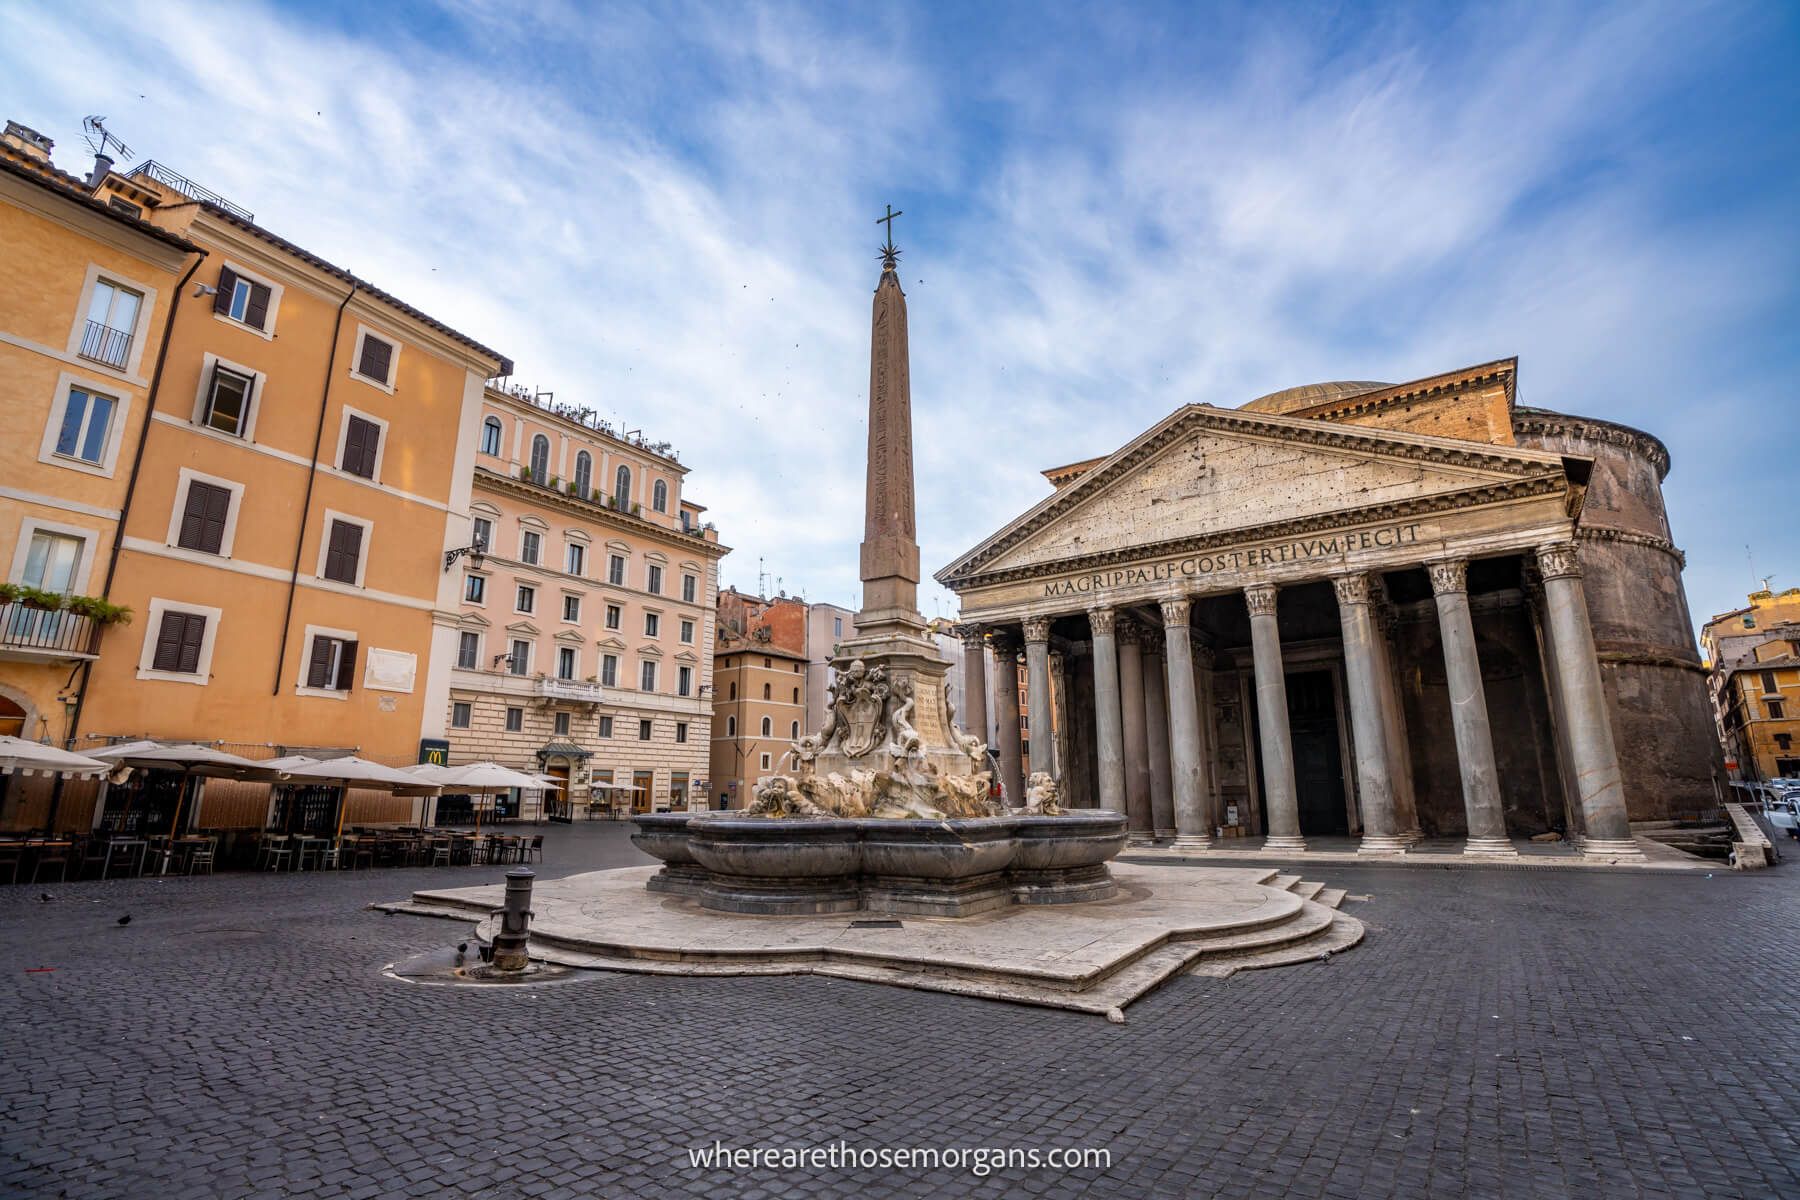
{"x": 890, "y": 547}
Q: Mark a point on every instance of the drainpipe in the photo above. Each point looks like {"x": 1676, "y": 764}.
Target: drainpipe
{"x": 131, "y": 481}
{"x": 312, "y": 473}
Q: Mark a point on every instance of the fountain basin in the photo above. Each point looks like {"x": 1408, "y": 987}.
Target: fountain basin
{"x": 950, "y": 868}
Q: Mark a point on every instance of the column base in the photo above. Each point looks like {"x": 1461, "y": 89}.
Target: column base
{"x": 1383, "y": 843}
{"x": 1413, "y": 836}
{"x": 1163, "y": 835}
{"x": 1139, "y": 837}
{"x": 1192, "y": 841}
{"x": 1278, "y": 841}
{"x": 1489, "y": 847}
{"x": 1613, "y": 848}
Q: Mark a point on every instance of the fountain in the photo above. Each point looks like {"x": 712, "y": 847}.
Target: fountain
{"x": 887, "y": 809}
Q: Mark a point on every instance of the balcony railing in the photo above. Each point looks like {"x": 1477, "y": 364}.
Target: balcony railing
{"x": 571, "y": 689}
{"x": 104, "y": 344}
{"x": 42, "y": 633}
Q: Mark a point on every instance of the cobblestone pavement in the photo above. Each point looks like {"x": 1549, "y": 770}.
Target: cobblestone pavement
{"x": 1500, "y": 1033}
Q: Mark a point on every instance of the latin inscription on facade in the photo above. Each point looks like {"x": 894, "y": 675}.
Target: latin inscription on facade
{"x": 1246, "y": 558}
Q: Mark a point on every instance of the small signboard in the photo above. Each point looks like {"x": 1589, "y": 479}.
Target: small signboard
{"x": 435, "y": 751}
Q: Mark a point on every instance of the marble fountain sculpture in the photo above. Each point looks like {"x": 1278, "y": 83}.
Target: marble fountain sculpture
{"x": 887, "y": 809}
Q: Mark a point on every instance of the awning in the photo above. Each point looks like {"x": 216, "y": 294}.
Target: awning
{"x": 18, "y": 756}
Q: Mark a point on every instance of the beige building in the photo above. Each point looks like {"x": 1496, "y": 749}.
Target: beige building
{"x": 759, "y": 691}
{"x": 582, "y": 629}
{"x": 1754, "y": 653}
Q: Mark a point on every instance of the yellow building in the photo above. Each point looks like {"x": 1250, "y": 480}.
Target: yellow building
{"x": 304, "y": 465}
{"x": 87, "y": 295}
{"x": 759, "y": 711}
{"x": 1754, "y": 657}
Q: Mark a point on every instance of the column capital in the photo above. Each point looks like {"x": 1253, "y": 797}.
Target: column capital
{"x": 1004, "y": 642}
{"x": 1037, "y": 629}
{"x": 1559, "y": 560}
{"x": 1103, "y": 620}
{"x": 1175, "y": 612}
{"x": 973, "y": 636}
{"x": 1351, "y": 589}
{"x": 1260, "y": 598}
{"x": 1448, "y": 575}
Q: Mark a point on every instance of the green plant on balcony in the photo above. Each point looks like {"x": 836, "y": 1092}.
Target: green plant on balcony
{"x": 636, "y": 509}
{"x": 525, "y": 473}
{"x": 93, "y": 608}
{"x": 556, "y": 483}
{"x": 99, "y": 611}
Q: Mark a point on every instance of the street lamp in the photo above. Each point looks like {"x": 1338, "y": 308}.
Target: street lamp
{"x": 475, "y": 550}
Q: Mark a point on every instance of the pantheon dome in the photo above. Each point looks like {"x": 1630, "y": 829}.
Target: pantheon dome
{"x": 1308, "y": 394}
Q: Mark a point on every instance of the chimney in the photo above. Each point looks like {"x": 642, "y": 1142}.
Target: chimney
{"x": 27, "y": 141}
{"x": 103, "y": 163}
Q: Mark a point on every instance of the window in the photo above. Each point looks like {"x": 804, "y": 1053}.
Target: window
{"x": 652, "y": 625}
{"x": 86, "y": 426}
{"x": 615, "y": 570}
{"x": 51, "y": 560}
{"x": 687, "y": 632}
{"x": 609, "y": 670}
{"x": 459, "y": 714}
{"x": 362, "y": 442}
{"x": 681, "y": 731}
{"x": 491, "y": 434}
{"x": 768, "y": 692}
{"x": 622, "y": 487}
{"x": 1776, "y": 711}
{"x": 343, "y": 551}
{"x": 733, "y": 691}
{"x": 577, "y": 558}
{"x": 584, "y": 475}
{"x": 483, "y": 531}
{"x": 768, "y": 727}
{"x": 227, "y": 407}
{"x": 375, "y": 360}
{"x": 1784, "y": 741}
{"x": 647, "y": 677}
{"x": 730, "y": 726}
{"x": 1768, "y": 682}
{"x": 615, "y": 616}
{"x": 540, "y": 458}
{"x": 519, "y": 661}
{"x": 837, "y": 627}
{"x": 572, "y": 609}
{"x": 526, "y": 600}
{"x": 768, "y": 663}
{"x": 331, "y": 664}
{"x": 203, "y": 517}
{"x": 794, "y": 730}
{"x": 562, "y": 724}
{"x": 684, "y": 681}
{"x": 796, "y": 695}
{"x": 515, "y": 720}
{"x": 606, "y": 724}
{"x": 529, "y": 546}
{"x": 645, "y": 729}
{"x": 124, "y": 206}
{"x": 690, "y": 587}
{"x": 653, "y": 580}
{"x": 565, "y": 662}
{"x": 111, "y": 321}
{"x": 765, "y": 761}
{"x": 468, "y": 650}
{"x": 475, "y": 589}
{"x": 659, "y": 497}
{"x": 242, "y": 299}
{"x": 178, "y": 642}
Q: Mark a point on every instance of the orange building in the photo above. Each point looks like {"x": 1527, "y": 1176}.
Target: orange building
{"x": 759, "y": 691}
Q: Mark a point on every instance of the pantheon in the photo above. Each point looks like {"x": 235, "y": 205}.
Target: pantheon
{"x": 1381, "y": 611}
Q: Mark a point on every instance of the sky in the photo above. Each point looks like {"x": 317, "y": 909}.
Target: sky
{"x": 667, "y": 213}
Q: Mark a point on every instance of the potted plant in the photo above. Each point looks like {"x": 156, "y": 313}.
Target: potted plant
{"x": 100, "y": 611}
{"x": 636, "y": 509}
{"x": 32, "y": 597}
{"x": 525, "y": 473}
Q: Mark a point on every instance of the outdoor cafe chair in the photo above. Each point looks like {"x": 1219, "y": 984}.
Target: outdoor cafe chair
{"x": 310, "y": 847}
{"x": 51, "y": 855}
{"x": 440, "y": 852}
{"x": 11, "y": 855}
{"x": 534, "y": 851}
{"x": 129, "y": 852}
{"x": 274, "y": 853}
{"x": 95, "y": 852}
{"x": 202, "y": 856}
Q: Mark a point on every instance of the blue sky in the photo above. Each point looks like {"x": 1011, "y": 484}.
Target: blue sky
{"x": 667, "y": 212}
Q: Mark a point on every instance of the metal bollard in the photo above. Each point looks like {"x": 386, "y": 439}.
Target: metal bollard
{"x": 511, "y": 943}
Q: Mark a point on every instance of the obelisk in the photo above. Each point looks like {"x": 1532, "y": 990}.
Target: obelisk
{"x": 890, "y": 545}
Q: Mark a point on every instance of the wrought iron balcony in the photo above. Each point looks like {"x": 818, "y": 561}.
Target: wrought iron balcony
{"x": 104, "y": 344}
{"x": 28, "y": 632}
{"x": 571, "y": 689}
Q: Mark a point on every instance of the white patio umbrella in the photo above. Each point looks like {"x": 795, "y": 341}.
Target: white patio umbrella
{"x": 18, "y": 756}
{"x": 483, "y": 778}
{"x": 351, "y": 771}
{"x": 190, "y": 758}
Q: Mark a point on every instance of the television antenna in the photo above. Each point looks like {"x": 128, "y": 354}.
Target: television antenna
{"x": 102, "y": 141}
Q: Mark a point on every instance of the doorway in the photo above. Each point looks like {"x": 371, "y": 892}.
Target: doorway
{"x": 1318, "y": 754}
{"x": 640, "y": 791}
{"x": 558, "y": 804}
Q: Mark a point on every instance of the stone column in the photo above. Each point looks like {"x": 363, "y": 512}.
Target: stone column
{"x": 1156, "y": 737}
{"x": 1591, "y": 751}
{"x": 1137, "y": 743}
{"x": 1059, "y": 711}
{"x": 1109, "y": 722}
{"x": 1368, "y": 719}
{"x": 1186, "y": 742}
{"x": 1037, "y": 695}
{"x": 1468, "y": 713}
{"x": 1406, "y": 807}
{"x": 1006, "y": 715}
{"x": 1279, "y": 794}
{"x": 1206, "y": 697}
{"x": 975, "y": 696}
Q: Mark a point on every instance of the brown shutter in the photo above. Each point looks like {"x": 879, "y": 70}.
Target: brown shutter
{"x": 342, "y": 551}
{"x": 168, "y": 643}
{"x": 256, "y": 308}
{"x": 346, "y": 676}
{"x": 318, "y": 666}
{"x": 227, "y": 285}
{"x": 203, "y": 520}
{"x": 377, "y": 355}
{"x": 193, "y": 629}
{"x": 361, "y": 440}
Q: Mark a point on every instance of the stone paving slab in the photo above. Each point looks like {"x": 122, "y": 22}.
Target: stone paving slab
{"x": 1442, "y": 852}
{"x": 1094, "y": 957}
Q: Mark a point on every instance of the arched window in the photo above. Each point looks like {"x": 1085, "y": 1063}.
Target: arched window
{"x": 730, "y": 726}
{"x": 540, "y": 458}
{"x": 490, "y": 436}
{"x": 584, "y": 474}
{"x": 768, "y": 727}
{"x": 733, "y": 692}
{"x": 796, "y": 695}
{"x": 796, "y": 731}
{"x": 766, "y": 695}
{"x": 622, "y": 487}
{"x": 659, "y": 497}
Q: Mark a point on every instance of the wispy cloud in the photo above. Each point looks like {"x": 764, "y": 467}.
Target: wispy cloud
{"x": 667, "y": 213}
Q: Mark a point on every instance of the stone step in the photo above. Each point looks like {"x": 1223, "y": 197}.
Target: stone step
{"x": 1331, "y": 897}
{"x": 1344, "y": 932}
{"x": 1283, "y": 883}
{"x": 1307, "y": 890}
